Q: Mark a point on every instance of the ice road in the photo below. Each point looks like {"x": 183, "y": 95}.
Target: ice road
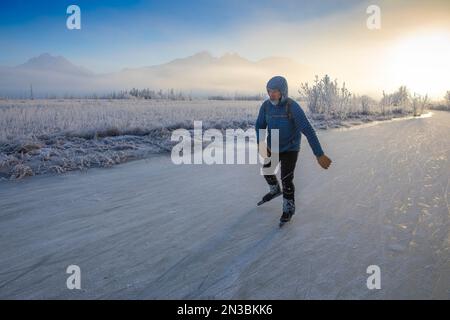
{"x": 149, "y": 229}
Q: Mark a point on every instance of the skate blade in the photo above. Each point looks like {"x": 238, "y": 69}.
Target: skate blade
{"x": 263, "y": 201}
{"x": 282, "y": 223}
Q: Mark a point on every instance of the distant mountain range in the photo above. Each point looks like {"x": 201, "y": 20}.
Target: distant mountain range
{"x": 200, "y": 74}
{"x": 59, "y": 64}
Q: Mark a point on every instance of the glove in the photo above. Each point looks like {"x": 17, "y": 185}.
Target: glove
{"x": 324, "y": 161}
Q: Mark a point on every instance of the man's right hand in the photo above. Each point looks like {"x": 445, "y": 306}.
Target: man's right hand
{"x": 263, "y": 150}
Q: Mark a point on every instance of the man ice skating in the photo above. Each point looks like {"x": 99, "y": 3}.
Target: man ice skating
{"x": 282, "y": 113}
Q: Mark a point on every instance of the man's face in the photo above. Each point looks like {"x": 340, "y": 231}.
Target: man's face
{"x": 274, "y": 94}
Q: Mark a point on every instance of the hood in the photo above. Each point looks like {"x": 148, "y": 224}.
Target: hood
{"x": 280, "y": 83}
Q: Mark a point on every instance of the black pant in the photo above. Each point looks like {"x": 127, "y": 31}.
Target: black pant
{"x": 288, "y": 160}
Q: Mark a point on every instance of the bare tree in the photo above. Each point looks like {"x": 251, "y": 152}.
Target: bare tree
{"x": 447, "y": 98}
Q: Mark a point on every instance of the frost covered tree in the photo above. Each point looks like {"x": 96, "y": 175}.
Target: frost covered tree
{"x": 419, "y": 103}
{"x": 395, "y": 102}
{"x": 326, "y": 97}
{"x": 365, "y": 103}
{"x": 447, "y": 98}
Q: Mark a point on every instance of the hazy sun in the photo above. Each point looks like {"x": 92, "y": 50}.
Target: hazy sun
{"x": 421, "y": 62}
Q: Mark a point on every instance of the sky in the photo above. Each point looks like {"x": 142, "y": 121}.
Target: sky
{"x": 134, "y": 33}
{"x": 331, "y": 36}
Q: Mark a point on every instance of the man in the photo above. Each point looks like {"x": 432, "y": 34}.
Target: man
{"x": 282, "y": 113}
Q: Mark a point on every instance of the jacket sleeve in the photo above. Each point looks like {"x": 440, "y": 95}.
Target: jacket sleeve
{"x": 260, "y": 122}
{"x": 303, "y": 125}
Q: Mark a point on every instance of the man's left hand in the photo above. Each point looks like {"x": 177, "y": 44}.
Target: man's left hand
{"x": 324, "y": 161}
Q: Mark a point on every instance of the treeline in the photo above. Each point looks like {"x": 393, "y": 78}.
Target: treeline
{"x": 240, "y": 97}
{"x": 147, "y": 94}
{"x": 443, "y": 105}
{"x": 135, "y": 93}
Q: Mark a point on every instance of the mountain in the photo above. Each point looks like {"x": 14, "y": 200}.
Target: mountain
{"x": 198, "y": 59}
{"x": 47, "y": 62}
{"x": 201, "y": 74}
{"x": 49, "y": 75}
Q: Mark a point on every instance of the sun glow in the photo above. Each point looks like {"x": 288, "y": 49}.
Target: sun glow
{"x": 421, "y": 62}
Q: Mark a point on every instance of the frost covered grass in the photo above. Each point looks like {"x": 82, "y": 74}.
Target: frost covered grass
{"x": 55, "y": 136}
{"x": 24, "y": 119}
{"x": 43, "y": 136}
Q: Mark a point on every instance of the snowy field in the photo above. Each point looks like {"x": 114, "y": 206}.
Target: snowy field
{"x": 151, "y": 229}
{"x": 56, "y": 136}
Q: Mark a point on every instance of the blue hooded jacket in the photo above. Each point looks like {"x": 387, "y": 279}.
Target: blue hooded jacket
{"x": 290, "y": 130}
